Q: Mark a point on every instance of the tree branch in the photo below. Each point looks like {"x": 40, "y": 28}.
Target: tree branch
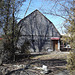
{"x": 27, "y": 8}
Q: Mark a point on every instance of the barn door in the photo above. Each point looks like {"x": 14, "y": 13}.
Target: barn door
{"x": 55, "y": 45}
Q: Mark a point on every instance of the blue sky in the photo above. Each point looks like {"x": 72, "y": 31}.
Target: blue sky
{"x": 38, "y": 4}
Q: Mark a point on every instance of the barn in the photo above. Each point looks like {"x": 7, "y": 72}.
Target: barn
{"x": 40, "y": 32}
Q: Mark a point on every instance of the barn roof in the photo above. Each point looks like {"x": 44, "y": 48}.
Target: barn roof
{"x": 42, "y": 15}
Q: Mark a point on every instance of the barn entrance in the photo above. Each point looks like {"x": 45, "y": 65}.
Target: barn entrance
{"x": 56, "y": 43}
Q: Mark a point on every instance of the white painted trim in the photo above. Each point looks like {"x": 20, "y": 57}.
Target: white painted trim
{"x": 58, "y": 45}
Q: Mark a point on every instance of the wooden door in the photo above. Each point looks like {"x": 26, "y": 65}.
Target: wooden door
{"x": 55, "y": 45}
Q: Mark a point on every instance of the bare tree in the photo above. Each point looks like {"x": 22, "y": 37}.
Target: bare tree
{"x": 9, "y": 23}
{"x": 66, "y": 10}
{"x": 60, "y": 8}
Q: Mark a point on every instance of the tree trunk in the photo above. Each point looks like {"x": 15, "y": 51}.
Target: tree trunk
{"x": 0, "y": 61}
{"x": 13, "y": 49}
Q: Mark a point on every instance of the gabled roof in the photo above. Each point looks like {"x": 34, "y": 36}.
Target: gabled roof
{"x": 42, "y": 15}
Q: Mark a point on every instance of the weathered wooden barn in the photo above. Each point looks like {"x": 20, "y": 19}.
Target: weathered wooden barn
{"x": 40, "y": 31}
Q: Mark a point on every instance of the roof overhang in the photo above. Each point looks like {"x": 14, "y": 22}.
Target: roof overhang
{"x": 1, "y": 38}
{"x": 55, "y": 38}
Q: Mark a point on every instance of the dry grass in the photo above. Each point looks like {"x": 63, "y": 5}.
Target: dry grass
{"x": 53, "y": 55}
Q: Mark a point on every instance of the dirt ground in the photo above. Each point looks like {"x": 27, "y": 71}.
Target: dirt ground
{"x": 55, "y": 62}
{"x": 53, "y": 55}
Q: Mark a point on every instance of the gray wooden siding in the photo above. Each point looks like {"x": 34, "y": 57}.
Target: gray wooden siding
{"x": 37, "y": 27}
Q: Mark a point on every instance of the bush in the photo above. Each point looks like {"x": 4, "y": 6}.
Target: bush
{"x": 71, "y": 62}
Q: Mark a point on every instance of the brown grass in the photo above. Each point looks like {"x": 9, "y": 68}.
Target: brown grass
{"x": 53, "y": 55}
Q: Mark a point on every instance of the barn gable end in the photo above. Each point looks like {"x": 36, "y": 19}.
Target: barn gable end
{"x": 38, "y": 30}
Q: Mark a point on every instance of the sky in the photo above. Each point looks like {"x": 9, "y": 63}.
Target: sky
{"x": 38, "y": 4}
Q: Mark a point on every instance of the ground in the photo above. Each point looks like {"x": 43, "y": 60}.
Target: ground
{"x": 53, "y": 55}
{"x": 55, "y": 62}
